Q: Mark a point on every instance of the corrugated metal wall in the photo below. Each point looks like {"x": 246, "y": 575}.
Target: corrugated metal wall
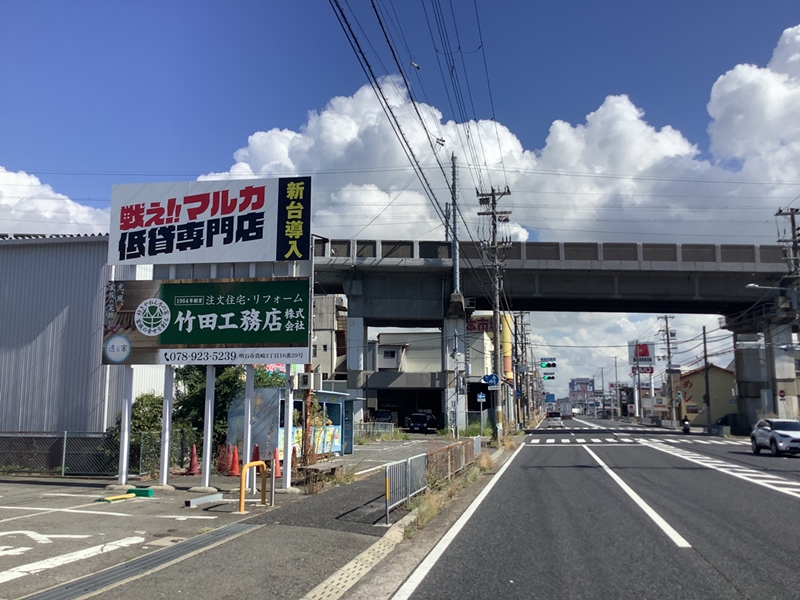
{"x": 51, "y": 310}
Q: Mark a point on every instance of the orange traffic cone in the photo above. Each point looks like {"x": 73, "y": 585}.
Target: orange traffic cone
{"x": 276, "y": 463}
{"x": 193, "y": 469}
{"x": 233, "y": 470}
{"x": 256, "y": 457}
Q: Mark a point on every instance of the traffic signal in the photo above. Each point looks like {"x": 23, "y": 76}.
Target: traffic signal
{"x": 547, "y": 365}
{"x": 546, "y": 377}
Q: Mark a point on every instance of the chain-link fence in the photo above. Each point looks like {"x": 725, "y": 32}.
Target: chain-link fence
{"x": 479, "y": 422}
{"x": 370, "y": 430}
{"x": 73, "y": 453}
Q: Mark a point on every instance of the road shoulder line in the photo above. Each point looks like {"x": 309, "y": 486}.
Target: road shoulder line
{"x": 416, "y": 577}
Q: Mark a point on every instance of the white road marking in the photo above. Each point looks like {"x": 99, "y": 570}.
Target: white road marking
{"x": 66, "y": 510}
{"x": 657, "y": 519}
{"x": 550, "y": 441}
{"x": 581, "y": 441}
{"x": 591, "y": 425}
{"x": 88, "y": 495}
{"x": 611, "y": 439}
{"x": 182, "y": 518}
{"x": 565, "y": 440}
{"x": 535, "y": 440}
{"x": 57, "y": 561}
{"x": 44, "y": 539}
{"x": 596, "y": 440}
{"x": 12, "y": 551}
{"x": 786, "y": 486}
{"x": 426, "y": 565}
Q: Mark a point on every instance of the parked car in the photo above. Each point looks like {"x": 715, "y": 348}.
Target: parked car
{"x": 778, "y": 435}
{"x": 422, "y": 422}
{"x": 554, "y": 419}
{"x": 383, "y": 416}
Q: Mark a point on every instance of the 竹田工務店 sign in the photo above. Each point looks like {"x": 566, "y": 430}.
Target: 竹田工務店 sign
{"x": 250, "y": 321}
{"x": 220, "y": 221}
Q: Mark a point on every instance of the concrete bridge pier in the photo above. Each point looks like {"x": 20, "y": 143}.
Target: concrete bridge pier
{"x": 780, "y": 356}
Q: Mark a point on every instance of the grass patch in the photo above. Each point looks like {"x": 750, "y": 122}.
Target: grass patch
{"x": 484, "y": 461}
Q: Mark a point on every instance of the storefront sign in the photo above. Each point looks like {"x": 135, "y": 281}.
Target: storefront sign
{"x": 220, "y": 221}
{"x": 252, "y": 321}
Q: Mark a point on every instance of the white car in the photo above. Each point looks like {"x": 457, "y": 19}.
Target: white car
{"x": 777, "y": 435}
{"x": 554, "y": 420}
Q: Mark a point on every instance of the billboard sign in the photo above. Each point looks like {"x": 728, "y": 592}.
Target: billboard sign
{"x": 582, "y": 384}
{"x": 641, "y": 353}
{"x": 245, "y": 321}
{"x": 220, "y": 221}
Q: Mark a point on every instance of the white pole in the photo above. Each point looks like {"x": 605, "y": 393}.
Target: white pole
{"x": 208, "y": 425}
{"x": 247, "y": 442}
{"x": 125, "y": 423}
{"x": 166, "y": 423}
{"x": 288, "y": 432}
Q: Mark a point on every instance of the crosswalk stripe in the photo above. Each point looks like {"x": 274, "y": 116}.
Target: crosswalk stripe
{"x": 565, "y": 441}
{"x": 611, "y": 439}
{"x": 535, "y": 440}
{"x": 551, "y": 441}
{"x": 597, "y": 440}
{"x": 581, "y": 441}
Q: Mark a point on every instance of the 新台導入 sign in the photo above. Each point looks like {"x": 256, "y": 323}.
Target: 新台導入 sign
{"x": 250, "y": 321}
{"x": 219, "y": 221}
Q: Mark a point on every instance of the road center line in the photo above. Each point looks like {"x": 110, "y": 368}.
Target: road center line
{"x": 434, "y": 555}
{"x": 657, "y": 519}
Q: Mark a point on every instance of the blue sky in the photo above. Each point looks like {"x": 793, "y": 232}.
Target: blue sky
{"x": 625, "y": 120}
{"x": 174, "y": 88}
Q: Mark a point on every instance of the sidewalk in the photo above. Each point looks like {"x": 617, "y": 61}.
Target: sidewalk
{"x": 283, "y": 552}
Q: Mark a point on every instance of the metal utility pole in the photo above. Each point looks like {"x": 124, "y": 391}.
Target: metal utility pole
{"x": 456, "y": 309}
{"x": 792, "y": 244}
{"x": 616, "y": 389}
{"x": 707, "y": 395}
{"x": 497, "y": 216}
{"x": 669, "y": 364}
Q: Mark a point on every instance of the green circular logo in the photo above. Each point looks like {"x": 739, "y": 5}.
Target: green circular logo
{"x": 152, "y": 317}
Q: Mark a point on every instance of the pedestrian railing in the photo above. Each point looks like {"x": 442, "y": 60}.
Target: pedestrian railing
{"x": 407, "y": 478}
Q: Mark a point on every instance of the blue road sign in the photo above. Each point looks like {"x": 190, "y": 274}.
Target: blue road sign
{"x": 491, "y": 379}
{"x": 481, "y": 397}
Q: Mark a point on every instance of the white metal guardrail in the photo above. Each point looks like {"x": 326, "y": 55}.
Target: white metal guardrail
{"x": 407, "y": 478}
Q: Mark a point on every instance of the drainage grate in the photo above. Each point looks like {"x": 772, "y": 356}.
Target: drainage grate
{"x": 137, "y": 566}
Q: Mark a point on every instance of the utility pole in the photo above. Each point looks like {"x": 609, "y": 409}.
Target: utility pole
{"x": 792, "y": 244}
{"x": 707, "y": 395}
{"x": 616, "y": 388}
{"x": 456, "y": 309}
{"x": 669, "y": 363}
{"x": 603, "y": 390}
{"x": 490, "y": 199}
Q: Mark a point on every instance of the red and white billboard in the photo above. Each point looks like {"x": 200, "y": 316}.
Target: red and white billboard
{"x": 220, "y": 221}
{"x": 641, "y": 353}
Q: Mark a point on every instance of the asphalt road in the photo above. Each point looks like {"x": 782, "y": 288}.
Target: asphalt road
{"x": 609, "y": 510}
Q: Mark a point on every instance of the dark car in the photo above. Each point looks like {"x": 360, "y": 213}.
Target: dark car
{"x": 383, "y": 416}
{"x": 422, "y": 422}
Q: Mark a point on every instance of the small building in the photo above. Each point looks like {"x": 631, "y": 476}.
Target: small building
{"x": 722, "y": 394}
